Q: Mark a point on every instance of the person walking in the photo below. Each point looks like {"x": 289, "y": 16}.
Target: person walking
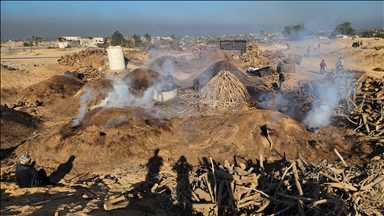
{"x": 322, "y": 66}
{"x": 27, "y": 176}
{"x": 281, "y": 80}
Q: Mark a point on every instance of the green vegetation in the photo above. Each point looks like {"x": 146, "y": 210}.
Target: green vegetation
{"x": 344, "y": 28}
{"x": 296, "y": 32}
{"x": 117, "y": 39}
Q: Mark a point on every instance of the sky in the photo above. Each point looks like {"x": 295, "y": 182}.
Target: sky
{"x": 50, "y": 19}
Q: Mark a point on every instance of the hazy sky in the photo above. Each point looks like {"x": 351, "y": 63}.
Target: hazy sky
{"x": 24, "y": 19}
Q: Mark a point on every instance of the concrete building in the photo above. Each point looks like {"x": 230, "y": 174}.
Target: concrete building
{"x": 72, "y": 41}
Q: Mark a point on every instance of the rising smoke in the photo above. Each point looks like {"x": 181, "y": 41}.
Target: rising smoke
{"x": 121, "y": 96}
{"x": 87, "y": 96}
{"x": 319, "y": 115}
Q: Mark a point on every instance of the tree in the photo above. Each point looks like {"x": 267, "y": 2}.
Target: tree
{"x": 148, "y": 38}
{"x": 345, "y": 29}
{"x": 173, "y": 36}
{"x": 296, "y": 32}
{"x": 137, "y": 39}
{"x": 117, "y": 39}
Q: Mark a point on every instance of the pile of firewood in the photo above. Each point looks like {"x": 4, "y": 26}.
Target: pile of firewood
{"x": 297, "y": 187}
{"x": 91, "y": 63}
{"x": 258, "y": 58}
{"x": 224, "y": 90}
{"x": 249, "y": 56}
{"x": 71, "y": 60}
{"x": 367, "y": 111}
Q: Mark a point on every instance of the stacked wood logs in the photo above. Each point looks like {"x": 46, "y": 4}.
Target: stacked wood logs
{"x": 367, "y": 111}
{"x": 224, "y": 90}
{"x": 91, "y": 63}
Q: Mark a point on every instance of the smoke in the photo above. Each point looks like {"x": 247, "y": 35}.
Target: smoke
{"x": 320, "y": 114}
{"x": 85, "y": 98}
{"x": 121, "y": 96}
{"x": 115, "y": 121}
{"x": 167, "y": 66}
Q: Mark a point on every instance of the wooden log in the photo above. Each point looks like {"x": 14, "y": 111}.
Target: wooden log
{"x": 341, "y": 158}
{"x": 203, "y": 194}
{"x": 110, "y": 206}
{"x": 296, "y": 175}
{"x": 364, "y": 116}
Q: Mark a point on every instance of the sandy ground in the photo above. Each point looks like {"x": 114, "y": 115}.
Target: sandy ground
{"x": 92, "y": 162}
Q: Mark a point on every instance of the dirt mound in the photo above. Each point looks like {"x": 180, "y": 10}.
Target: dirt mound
{"x": 141, "y": 79}
{"x": 221, "y": 65}
{"x": 48, "y": 91}
{"x": 16, "y": 127}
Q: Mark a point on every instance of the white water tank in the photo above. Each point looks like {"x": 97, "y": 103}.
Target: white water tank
{"x": 116, "y": 58}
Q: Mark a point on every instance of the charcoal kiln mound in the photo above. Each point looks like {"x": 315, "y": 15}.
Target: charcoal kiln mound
{"x": 141, "y": 79}
{"x": 49, "y": 90}
{"x": 222, "y": 65}
{"x": 130, "y": 135}
{"x": 16, "y": 127}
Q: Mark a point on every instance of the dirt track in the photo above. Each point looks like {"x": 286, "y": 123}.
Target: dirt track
{"x": 120, "y": 140}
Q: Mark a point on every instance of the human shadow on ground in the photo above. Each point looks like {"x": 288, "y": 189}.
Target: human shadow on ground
{"x": 62, "y": 170}
{"x": 154, "y": 165}
{"x": 183, "y": 187}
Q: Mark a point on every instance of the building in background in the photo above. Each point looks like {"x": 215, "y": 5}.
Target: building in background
{"x": 234, "y": 47}
{"x": 72, "y": 41}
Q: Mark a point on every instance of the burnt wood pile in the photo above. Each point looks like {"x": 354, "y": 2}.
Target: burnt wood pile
{"x": 91, "y": 63}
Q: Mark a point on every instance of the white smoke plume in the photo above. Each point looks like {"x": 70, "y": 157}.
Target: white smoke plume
{"x": 115, "y": 121}
{"x": 87, "y": 96}
{"x": 121, "y": 96}
{"x": 319, "y": 116}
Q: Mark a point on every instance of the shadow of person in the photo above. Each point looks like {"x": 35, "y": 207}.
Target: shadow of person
{"x": 154, "y": 165}
{"x": 62, "y": 170}
{"x": 183, "y": 187}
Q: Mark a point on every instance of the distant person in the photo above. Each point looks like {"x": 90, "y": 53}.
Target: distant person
{"x": 196, "y": 84}
{"x": 315, "y": 46}
{"x": 322, "y": 66}
{"x": 339, "y": 64}
{"x": 27, "y": 176}
{"x": 318, "y": 46}
{"x": 361, "y": 43}
{"x": 306, "y": 54}
{"x": 281, "y": 80}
